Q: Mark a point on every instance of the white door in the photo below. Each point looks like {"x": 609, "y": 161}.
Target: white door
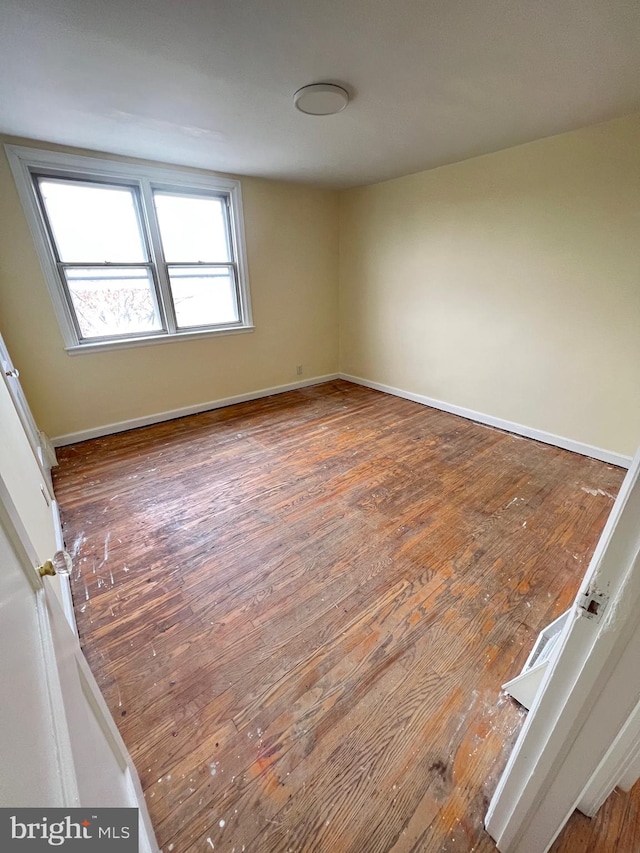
{"x": 27, "y": 480}
{"x": 59, "y": 744}
{"x": 571, "y": 751}
{"x": 22, "y": 471}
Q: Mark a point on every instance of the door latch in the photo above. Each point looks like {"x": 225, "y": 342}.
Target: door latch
{"x": 593, "y": 603}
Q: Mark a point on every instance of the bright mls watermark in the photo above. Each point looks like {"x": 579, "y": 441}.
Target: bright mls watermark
{"x": 102, "y": 830}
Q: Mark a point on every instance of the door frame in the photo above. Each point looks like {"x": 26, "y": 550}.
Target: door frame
{"x": 64, "y": 581}
{"x": 44, "y": 455}
{"x": 43, "y": 450}
{"x": 587, "y": 698}
{"x": 619, "y": 768}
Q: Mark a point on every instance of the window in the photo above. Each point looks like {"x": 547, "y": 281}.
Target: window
{"x": 134, "y": 255}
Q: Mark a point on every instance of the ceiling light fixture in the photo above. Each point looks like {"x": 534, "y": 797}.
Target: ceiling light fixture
{"x": 321, "y": 99}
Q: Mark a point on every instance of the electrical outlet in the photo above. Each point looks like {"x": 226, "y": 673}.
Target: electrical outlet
{"x": 299, "y": 369}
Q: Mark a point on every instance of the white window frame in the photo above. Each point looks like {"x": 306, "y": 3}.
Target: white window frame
{"x": 27, "y": 162}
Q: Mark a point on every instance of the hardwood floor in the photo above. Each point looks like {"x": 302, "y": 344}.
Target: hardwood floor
{"x": 301, "y": 610}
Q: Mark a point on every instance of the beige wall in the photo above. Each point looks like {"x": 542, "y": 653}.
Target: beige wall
{"x": 508, "y": 284}
{"x": 292, "y": 243}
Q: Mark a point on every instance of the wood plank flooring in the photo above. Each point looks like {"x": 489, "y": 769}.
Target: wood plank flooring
{"x": 301, "y": 609}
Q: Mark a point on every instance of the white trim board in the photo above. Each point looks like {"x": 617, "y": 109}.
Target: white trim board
{"x": 64, "y": 581}
{"x": 147, "y": 420}
{"x": 603, "y": 455}
{"x": 619, "y": 767}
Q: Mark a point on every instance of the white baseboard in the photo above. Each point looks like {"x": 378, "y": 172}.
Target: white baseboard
{"x": 147, "y": 420}
{"x": 489, "y": 420}
{"x": 603, "y": 455}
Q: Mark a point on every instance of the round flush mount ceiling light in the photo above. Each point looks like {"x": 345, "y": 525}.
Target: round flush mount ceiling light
{"x": 321, "y": 99}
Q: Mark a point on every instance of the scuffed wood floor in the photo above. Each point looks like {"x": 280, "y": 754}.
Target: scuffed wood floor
{"x": 301, "y": 610}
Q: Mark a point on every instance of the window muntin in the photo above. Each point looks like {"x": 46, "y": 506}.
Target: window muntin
{"x": 122, "y": 292}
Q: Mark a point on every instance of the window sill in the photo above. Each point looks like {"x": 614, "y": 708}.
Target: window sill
{"x": 152, "y": 340}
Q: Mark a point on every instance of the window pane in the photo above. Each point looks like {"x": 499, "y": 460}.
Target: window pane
{"x": 203, "y": 296}
{"x": 110, "y": 301}
{"x": 93, "y": 223}
{"x": 193, "y": 228}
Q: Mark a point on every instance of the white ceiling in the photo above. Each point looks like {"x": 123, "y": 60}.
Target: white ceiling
{"x": 210, "y": 83}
